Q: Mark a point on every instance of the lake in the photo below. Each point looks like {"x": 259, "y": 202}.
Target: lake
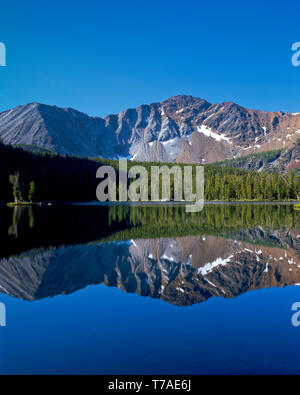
{"x": 150, "y": 289}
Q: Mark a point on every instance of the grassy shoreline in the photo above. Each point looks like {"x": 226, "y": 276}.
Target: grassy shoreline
{"x": 26, "y": 204}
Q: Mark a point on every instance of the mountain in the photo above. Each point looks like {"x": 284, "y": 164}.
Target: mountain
{"x": 64, "y": 131}
{"x": 182, "y": 271}
{"x": 180, "y": 129}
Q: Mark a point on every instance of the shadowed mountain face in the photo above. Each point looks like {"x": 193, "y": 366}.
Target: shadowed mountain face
{"x": 180, "y": 129}
{"x": 182, "y": 270}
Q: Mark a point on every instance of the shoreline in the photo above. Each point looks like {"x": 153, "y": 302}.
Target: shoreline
{"x": 149, "y": 203}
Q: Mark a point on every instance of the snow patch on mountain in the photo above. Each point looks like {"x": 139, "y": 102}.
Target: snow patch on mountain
{"x": 209, "y": 267}
{"x": 209, "y": 133}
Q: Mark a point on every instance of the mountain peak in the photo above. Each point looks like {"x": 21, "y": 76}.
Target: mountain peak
{"x": 183, "y": 99}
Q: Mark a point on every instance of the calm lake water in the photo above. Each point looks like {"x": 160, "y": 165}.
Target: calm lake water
{"x": 150, "y": 290}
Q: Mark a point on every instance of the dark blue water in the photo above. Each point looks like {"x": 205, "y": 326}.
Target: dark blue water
{"x": 118, "y": 326}
{"x": 103, "y": 330}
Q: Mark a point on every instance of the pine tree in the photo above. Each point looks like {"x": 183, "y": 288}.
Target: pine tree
{"x": 32, "y": 191}
{"x": 16, "y": 188}
{"x": 249, "y": 186}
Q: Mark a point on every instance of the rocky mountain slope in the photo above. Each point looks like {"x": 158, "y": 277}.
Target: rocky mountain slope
{"x": 279, "y": 161}
{"x": 180, "y": 129}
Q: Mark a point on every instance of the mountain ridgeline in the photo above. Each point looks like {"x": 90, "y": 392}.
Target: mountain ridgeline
{"x": 182, "y": 129}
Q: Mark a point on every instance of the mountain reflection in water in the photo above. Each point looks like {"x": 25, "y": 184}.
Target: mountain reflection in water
{"x": 161, "y": 252}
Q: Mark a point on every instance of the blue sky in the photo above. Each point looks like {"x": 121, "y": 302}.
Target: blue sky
{"x": 102, "y": 57}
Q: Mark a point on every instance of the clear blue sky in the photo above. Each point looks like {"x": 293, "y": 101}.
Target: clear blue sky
{"x": 101, "y": 57}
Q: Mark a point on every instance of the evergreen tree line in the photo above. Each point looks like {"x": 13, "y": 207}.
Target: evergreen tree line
{"x": 51, "y": 177}
{"x": 230, "y": 184}
{"x": 251, "y": 186}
